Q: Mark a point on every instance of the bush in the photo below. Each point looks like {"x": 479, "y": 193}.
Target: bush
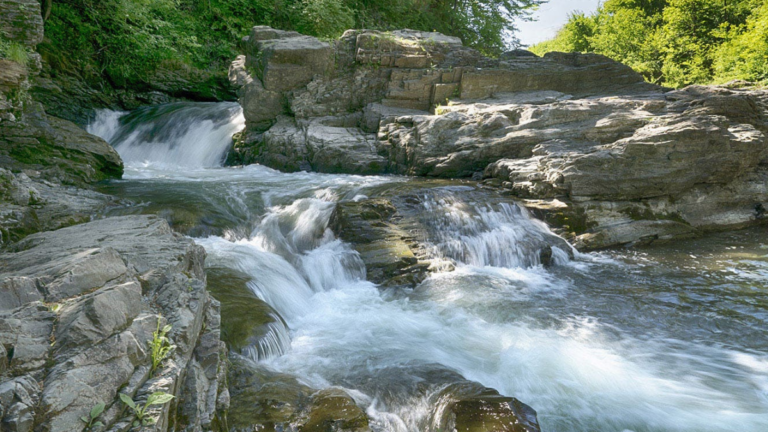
{"x": 324, "y": 18}
{"x": 745, "y": 54}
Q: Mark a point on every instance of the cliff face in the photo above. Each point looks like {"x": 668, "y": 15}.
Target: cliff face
{"x": 604, "y": 156}
{"x": 46, "y": 163}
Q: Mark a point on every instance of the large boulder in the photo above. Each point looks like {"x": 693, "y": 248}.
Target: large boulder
{"x": 642, "y": 169}
{"x": 57, "y": 150}
{"x": 263, "y": 399}
{"x": 407, "y": 231}
{"x": 78, "y": 308}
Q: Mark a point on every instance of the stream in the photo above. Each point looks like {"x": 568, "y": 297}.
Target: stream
{"x": 664, "y": 338}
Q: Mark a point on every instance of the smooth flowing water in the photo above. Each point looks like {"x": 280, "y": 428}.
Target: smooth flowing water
{"x": 667, "y": 338}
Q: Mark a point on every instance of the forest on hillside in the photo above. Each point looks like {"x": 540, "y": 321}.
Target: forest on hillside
{"x": 674, "y": 42}
{"x": 125, "y": 39}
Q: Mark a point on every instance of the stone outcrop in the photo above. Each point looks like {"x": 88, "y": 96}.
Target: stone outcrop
{"x": 78, "y": 308}
{"x": 46, "y": 163}
{"x": 46, "y": 168}
{"x": 22, "y": 21}
{"x": 598, "y": 152}
{"x": 410, "y": 230}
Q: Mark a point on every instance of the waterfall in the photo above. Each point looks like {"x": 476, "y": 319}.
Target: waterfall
{"x": 470, "y": 228}
{"x": 274, "y": 343}
{"x": 189, "y": 135}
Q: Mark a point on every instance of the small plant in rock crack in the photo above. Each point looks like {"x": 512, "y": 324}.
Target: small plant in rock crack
{"x": 160, "y": 346}
{"x": 90, "y": 420}
{"x": 140, "y": 411}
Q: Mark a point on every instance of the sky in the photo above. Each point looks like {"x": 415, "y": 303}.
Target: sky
{"x": 550, "y": 17}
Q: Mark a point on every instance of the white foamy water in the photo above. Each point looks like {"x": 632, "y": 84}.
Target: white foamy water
{"x": 609, "y": 342}
{"x": 174, "y": 135}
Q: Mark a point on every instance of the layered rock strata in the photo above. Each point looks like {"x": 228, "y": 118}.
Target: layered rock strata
{"x": 608, "y": 158}
{"x": 78, "y": 308}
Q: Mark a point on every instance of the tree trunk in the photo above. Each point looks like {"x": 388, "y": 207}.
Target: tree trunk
{"x": 46, "y": 9}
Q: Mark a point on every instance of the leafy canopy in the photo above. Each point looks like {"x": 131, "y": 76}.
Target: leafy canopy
{"x": 125, "y": 40}
{"x": 674, "y": 42}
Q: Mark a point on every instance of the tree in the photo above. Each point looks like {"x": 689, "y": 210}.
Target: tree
{"x": 674, "y": 42}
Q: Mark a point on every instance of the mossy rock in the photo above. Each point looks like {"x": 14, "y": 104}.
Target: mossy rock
{"x": 333, "y": 410}
{"x": 245, "y": 318}
{"x": 58, "y": 149}
{"x": 263, "y": 399}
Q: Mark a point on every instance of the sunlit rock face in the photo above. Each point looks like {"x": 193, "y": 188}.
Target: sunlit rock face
{"x": 78, "y": 309}
{"x": 627, "y": 161}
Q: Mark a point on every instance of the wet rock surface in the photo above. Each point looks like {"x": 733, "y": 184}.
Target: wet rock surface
{"x": 248, "y": 323}
{"x": 405, "y": 232}
{"x": 268, "y": 400}
{"x": 454, "y": 402}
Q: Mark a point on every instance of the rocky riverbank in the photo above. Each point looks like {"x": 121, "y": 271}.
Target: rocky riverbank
{"x": 580, "y": 140}
{"x": 605, "y": 157}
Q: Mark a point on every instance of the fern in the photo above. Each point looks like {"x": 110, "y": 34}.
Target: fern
{"x": 160, "y": 346}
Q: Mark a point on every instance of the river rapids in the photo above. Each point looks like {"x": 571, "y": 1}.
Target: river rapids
{"x": 664, "y": 338}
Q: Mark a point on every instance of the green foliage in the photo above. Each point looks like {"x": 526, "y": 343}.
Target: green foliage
{"x": 160, "y": 346}
{"x": 13, "y": 51}
{"x": 745, "y": 53}
{"x": 324, "y": 18}
{"x": 127, "y": 40}
{"x": 674, "y": 42}
{"x": 90, "y": 420}
{"x": 140, "y": 411}
{"x": 575, "y": 36}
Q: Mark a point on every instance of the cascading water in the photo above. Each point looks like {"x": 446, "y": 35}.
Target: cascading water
{"x": 465, "y": 226}
{"x": 192, "y": 135}
{"x": 668, "y": 339}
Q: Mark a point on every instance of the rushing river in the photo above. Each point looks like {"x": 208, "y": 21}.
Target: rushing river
{"x": 665, "y": 338}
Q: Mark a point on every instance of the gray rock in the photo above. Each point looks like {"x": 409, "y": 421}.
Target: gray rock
{"x": 92, "y": 375}
{"x": 626, "y": 158}
{"x": 113, "y": 276}
{"x": 21, "y": 20}
{"x": 92, "y": 318}
{"x": 48, "y": 207}
{"x": 25, "y": 333}
{"x": 18, "y": 291}
{"x": 18, "y": 399}
{"x": 205, "y": 377}
{"x": 289, "y": 61}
